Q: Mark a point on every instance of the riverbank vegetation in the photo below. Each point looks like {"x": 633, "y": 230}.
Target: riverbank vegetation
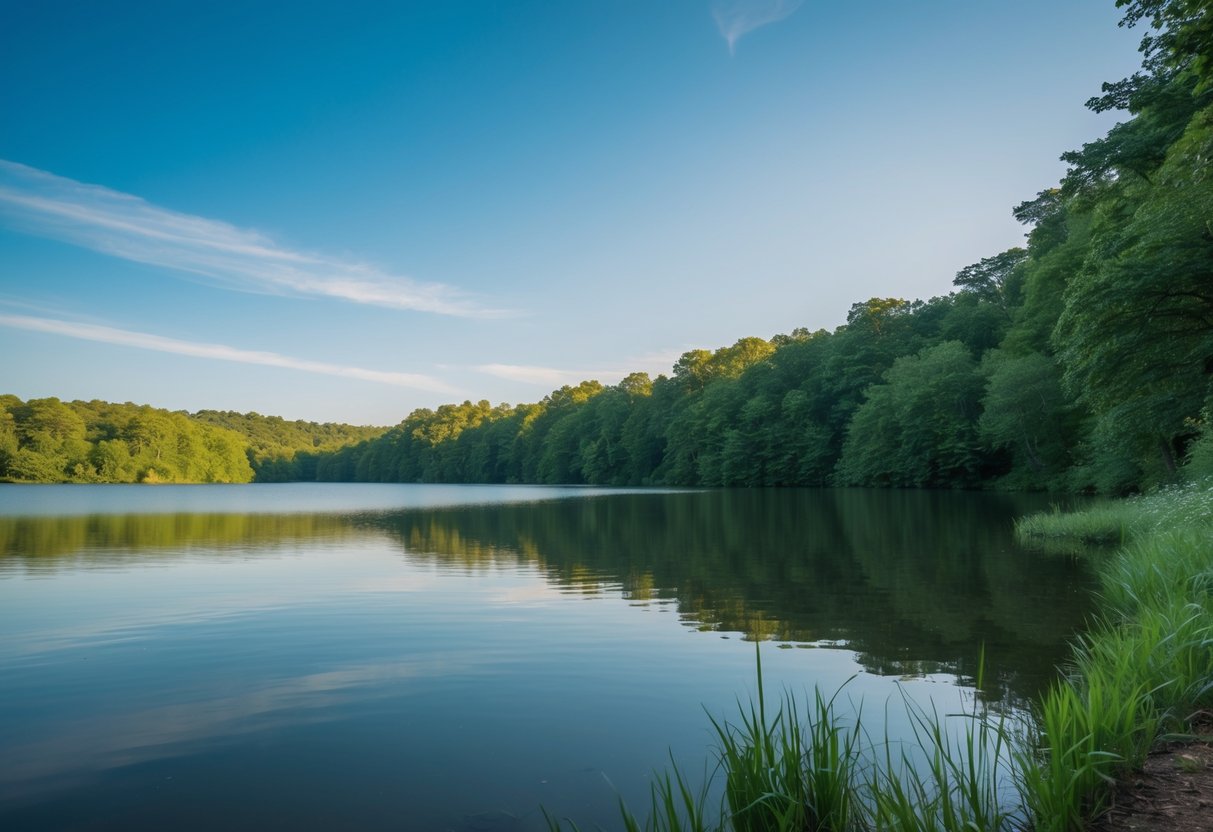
{"x": 1146, "y": 668}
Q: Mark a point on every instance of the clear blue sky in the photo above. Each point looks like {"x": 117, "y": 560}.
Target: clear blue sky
{"x": 344, "y": 211}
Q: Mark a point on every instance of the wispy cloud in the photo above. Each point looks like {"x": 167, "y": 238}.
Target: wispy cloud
{"x": 129, "y": 227}
{"x": 736, "y": 18}
{"x": 218, "y": 352}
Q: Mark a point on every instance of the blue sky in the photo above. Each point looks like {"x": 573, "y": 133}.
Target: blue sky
{"x": 346, "y": 211}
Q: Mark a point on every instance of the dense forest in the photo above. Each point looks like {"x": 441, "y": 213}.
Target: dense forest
{"x": 1081, "y": 361}
{"x": 281, "y": 451}
{"x": 46, "y": 440}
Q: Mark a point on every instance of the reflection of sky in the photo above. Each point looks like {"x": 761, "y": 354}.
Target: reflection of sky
{"x": 244, "y": 646}
{"x": 94, "y": 742}
{"x": 354, "y": 667}
{"x": 275, "y": 498}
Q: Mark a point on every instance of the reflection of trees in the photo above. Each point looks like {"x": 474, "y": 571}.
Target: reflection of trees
{"x": 952, "y": 575}
{"x": 100, "y": 539}
{"x": 916, "y": 582}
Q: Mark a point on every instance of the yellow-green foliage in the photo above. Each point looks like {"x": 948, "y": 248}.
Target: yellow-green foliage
{"x": 281, "y": 450}
{"x": 46, "y": 440}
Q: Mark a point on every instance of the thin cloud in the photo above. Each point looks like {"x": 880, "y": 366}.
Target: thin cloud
{"x": 736, "y": 18}
{"x": 218, "y": 352}
{"x": 126, "y": 226}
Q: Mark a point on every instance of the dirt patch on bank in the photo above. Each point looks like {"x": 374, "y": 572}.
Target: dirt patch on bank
{"x": 1173, "y": 792}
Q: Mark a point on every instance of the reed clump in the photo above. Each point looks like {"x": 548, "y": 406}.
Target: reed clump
{"x": 811, "y": 765}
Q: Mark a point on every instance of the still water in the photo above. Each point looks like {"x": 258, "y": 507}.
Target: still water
{"x": 455, "y": 657}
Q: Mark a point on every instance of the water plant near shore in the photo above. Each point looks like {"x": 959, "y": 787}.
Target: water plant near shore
{"x": 812, "y": 766}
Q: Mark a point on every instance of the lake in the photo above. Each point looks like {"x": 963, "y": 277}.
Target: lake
{"x": 316, "y": 656}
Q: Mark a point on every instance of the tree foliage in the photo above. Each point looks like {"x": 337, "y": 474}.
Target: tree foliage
{"x": 46, "y": 440}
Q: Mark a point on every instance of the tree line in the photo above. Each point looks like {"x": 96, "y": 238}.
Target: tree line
{"x": 1080, "y": 361}
{"x": 46, "y": 440}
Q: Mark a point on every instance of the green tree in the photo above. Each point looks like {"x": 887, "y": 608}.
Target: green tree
{"x": 112, "y": 460}
{"x": 1136, "y": 334}
{"x": 993, "y": 279}
{"x": 8, "y": 434}
{"x": 1025, "y": 412}
{"x": 919, "y": 428}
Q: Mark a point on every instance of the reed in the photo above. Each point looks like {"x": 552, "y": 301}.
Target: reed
{"x": 948, "y": 780}
{"x": 783, "y": 773}
{"x": 809, "y": 767}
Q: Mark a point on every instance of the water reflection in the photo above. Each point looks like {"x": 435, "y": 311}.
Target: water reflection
{"x": 49, "y": 542}
{"x": 432, "y": 659}
{"x": 915, "y": 582}
{"x": 97, "y": 741}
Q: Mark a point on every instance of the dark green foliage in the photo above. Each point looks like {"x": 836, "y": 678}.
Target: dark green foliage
{"x": 994, "y": 279}
{"x": 1136, "y": 333}
{"x": 919, "y": 428}
{"x": 1182, "y": 35}
{"x": 1025, "y": 413}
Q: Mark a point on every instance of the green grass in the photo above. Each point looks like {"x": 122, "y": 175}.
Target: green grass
{"x": 781, "y": 773}
{"x": 1121, "y": 521}
{"x": 1143, "y": 667}
{"x": 1090, "y": 730}
{"x": 944, "y": 780}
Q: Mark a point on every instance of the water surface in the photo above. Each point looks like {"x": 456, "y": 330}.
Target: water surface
{"x": 453, "y": 657}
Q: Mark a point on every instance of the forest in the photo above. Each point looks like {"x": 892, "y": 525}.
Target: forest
{"x": 1080, "y": 361}
{"x": 46, "y": 440}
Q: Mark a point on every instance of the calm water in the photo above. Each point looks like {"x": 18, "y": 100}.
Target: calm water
{"x": 454, "y": 657}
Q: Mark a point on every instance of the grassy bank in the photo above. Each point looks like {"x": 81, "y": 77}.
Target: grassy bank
{"x": 1131, "y": 520}
{"x": 1140, "y": 673}
{"x": 1146, "y": 666}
